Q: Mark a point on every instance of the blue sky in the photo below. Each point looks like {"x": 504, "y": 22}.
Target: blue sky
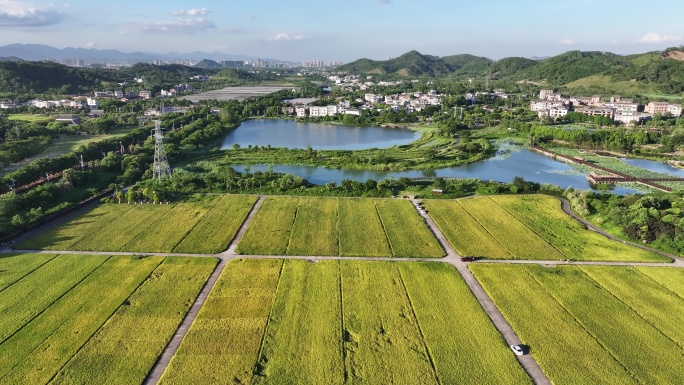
{"x": 347, "y": 30}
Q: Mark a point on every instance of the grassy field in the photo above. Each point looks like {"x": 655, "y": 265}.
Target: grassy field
{"x": 65, "y": 144}
{"x": 200, "y": 225}
{"x": 525, "y": 227}
{"x": 601, "y": 324}
{"x": 339, "y": 226}
{"x": 29, "y": 118}
{"x": 58, "y": 315}
{"x": 336, "y": 322}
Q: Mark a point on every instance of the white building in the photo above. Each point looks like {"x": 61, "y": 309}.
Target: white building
{"x": 373, "y": 98}
{"x": 301, "y": 112}
{"x": 92, "y": 102}
{"x": 674, "y": 109}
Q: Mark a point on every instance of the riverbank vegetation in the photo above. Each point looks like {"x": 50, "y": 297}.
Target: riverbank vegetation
{"x": 656, "y": 219}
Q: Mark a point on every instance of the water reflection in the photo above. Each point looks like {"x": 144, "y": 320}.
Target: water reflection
{"x": 291, "y": 134}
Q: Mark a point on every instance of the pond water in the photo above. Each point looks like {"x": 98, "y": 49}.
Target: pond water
{"x": 291, "y": 134}
{"x": 650, "y": 165}
{"x": 511, "y": 161}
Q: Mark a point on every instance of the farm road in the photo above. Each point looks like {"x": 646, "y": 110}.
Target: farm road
{"x": 172, "y": 347}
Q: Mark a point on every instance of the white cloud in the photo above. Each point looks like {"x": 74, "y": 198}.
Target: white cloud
{"x": 653, "y": 37}
{"x": 192, "y": 12}
{"x": 286, "y": 37}
{"x": 568, "y": 41}
{"x": 20, "y": 14}
{"x": 90, "y": 44}
{"x": 191, "y": 25}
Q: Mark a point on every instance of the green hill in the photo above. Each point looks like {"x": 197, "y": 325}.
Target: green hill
{"x": 412, "y": 63}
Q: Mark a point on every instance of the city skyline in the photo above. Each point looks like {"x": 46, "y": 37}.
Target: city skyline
{"x": 303, "y": 30}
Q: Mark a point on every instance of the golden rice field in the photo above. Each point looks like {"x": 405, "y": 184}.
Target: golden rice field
{"x": 339, "y": 226}
{"x": 529, "y": 227}
{"x": 335, "y": 322}
{"x": 594, "y": 324}
{"x": 91, "y": 319}
{"x": 200, "y": 225}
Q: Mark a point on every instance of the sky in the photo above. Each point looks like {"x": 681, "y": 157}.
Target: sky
{"x": 299, "y": 30}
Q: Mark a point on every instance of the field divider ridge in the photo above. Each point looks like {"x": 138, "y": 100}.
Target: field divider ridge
{"x": 257, "y": 363}
{"x": 9, "y": 246}
{"x": 105, "y": 321}
{"x": 243, "y": 229}
{"x": 55, "y": 300}
{"x": 583, "y": 326}
{"x": 420, "y": 329}
{"x": 384, "y": 230}
{"x": 195, "y": 225}
{"x": 343, "y": 330}
{"x": 292, "y": 225}
{"x": 149, "y": 226}
{"x": 659, "y": 283}
{"x": 528, "y": 227}
{"x": 28, "y": 273}
{"x": 488, "y": 232}
{"x": 630, "y": 308}
{"x": 155, "y": 374}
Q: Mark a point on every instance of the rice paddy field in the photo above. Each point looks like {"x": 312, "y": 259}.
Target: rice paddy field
{"x": 339, "y": 226}
{"x": 199, "y": 225}
{"x": 594, "y": 324}
{"x": 531, "y": 227}
{"x": 91, "y": 318}
{"x": 334, "y": 322}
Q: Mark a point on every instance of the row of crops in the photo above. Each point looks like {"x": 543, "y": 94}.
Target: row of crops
{"x": 528, "y": 227}
{"x": 91, "y": 319}
{"x": 594, "y": 324}
{"x": 203, "y": 225}
{"x": 335, "y": 322}
{"x": 339, "y": 226}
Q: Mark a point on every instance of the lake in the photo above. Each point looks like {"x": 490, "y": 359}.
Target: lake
{"x": 512, "y": 161}
{"x": 291, "y": 134}
{"x": 650, "y": 165}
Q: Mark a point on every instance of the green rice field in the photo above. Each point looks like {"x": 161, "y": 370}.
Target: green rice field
{"x": 339, "y": 226}
{"x": 201, "y": 225}
{"x": 594, "y": 324}
{"x": 91, "y": 319}
{"x": 531, "y": 227}
{"x": 334, "y": 322}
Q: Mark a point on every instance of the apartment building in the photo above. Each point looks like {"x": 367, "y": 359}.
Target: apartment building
{"x": 656, "y": 107}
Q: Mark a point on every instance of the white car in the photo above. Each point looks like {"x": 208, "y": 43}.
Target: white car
{"x": 518, "y": 350}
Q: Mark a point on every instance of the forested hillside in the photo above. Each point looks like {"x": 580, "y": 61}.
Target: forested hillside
{"x": 592, "y": 71}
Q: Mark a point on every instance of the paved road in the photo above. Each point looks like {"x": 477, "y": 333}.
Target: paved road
{"x": 164, "y": 359}
{"x": 170, "y": 350}
{"x": 527, "y": 361}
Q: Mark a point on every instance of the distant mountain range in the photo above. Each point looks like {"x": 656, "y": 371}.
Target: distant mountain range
{"x": 593, "y": 71}
{"x": 36, "y": 52}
